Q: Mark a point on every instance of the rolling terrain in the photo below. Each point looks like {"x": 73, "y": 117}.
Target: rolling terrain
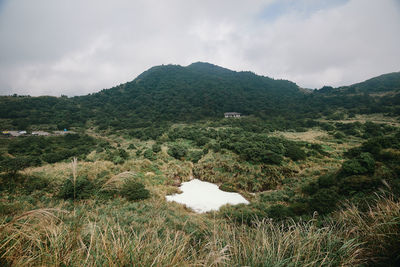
{"x": 320, "y": 169}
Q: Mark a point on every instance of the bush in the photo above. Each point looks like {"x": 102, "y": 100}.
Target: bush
{"x": 133, "y": 190}
{"x": 195, "y": 156}
{"x": 202, "y": 141}
{"x": 358, "y": 183}
{"x": 324, "y": 200}
{"x": 339, "y": 135}
{"x": 123, "y": 154}
{"x": 363, "y": 164}
{"x": 227, "y": 187}
{"x": 148, "y": 154}
{"x": 279, "y": 212}
{"x": 156, "y": 148}
{"x": 326, "y": 181}
{"x": 131, "y": 146}
{"x": 83, "y": 189}
{"x": 117, "y": 160}
{"x": 33, "y": 183}
{"x": 295, "y": 152}
{"x": 13, "y": 165}
{"x": 299, "y": 208}
{"x": 177, "y": 151}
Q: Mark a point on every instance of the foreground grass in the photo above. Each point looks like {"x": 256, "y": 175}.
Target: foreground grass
{"x": 38, "y": 227}
{"x": 155, "y": 234}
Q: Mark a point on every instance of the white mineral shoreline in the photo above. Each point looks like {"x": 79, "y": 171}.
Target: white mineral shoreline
{"x": 203, "y": 196}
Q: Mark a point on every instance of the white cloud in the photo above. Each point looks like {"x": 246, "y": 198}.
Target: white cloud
{"x": 75, "y": 47}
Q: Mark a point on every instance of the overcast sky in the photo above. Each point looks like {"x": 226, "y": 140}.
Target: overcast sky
{"x": 75, "y": 47}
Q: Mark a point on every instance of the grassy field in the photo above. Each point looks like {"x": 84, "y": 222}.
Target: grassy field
{"x": 84, "y": 213}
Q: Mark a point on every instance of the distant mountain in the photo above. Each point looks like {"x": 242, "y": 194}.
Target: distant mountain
{"x": 173, "y": 93}
{"x": 198, "y": 91}
{"x": 384, "y": 83}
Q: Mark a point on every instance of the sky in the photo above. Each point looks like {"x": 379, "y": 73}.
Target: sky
{"x": 76, "y": 47}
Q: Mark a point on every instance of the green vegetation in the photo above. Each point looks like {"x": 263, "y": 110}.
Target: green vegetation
{"x": 51, "y": 149}
{"x": 320, "y": 170}
{"x": 134, "y": 191}
{"x": 165, "y": 94}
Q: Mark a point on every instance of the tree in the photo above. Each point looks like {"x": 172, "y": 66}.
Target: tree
{"x": 177, "y": 151}
{"x": 13, "y": 165}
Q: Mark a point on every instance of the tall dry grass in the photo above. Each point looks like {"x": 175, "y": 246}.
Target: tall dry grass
{"x": 52, "y": 240}
{"x": 378, "y": 229}
{"x": 74, "y": 168}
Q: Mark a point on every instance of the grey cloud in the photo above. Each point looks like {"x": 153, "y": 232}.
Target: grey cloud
{"x": 76, "y": 47}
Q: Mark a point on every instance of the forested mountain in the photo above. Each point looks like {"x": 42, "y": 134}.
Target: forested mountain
{"x": 201, "y": 90}
{"x": 171, "y": 93}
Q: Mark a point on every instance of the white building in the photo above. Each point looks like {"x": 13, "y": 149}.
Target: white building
{"x": 232, "y": 115}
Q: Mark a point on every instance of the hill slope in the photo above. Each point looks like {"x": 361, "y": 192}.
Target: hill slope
{"x": 171, "y": 93}
{"x": 162, "y": 93}
{"x": 201, "y": 90}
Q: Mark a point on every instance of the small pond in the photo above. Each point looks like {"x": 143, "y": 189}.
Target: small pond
{"x": 203, "y": 196}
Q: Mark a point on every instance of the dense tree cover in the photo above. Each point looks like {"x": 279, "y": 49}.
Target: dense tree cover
{"x": 250, "y": 146}
{"x": 12, "y": 165}
{"x": 173, "y": 93}
{"x": 37, "y": 149}
{"x": 368, "y": 168}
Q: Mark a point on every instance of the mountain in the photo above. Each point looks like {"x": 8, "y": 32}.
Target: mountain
{"x": 380, "y": 94}
{"x": 389, "y": 82}
{"x": 173, "y": 93}
{"x": 198, "y": 91}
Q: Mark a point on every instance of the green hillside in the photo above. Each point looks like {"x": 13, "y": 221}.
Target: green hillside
{"x": 319, "y": 169}
{"x": 172, "y": 93}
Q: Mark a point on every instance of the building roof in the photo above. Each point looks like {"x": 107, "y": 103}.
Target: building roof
{"x": 231, "y": 113}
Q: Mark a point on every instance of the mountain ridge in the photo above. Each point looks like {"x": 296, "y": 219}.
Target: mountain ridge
{"x": 173, "y": 93}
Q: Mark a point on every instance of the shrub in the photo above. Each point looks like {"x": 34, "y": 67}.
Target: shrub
{"x": 324, "y": 200}
{"x": 33, "y": 183}
{"x": 363, "y": 164}
{"x": 326, "y": 181}
{"x": 339, "y": 135}
{"x": 131, "y": 146}
{"x": 299, "y": 208}
{"x": 295, "y": 152}
{"x": 133, "y": 190}
{"x": 358, "y": 183}
{"x": 177, "y": 151}
{"x": 117, "y": 160}
{"x": 195, "y": 156}
{"x": 227, "y": 187}
{"x": 123, "y": 154}
{"x": 13, "y": 165}
{"x": 83, "y": 189}
{"x": 310, "y": 188}
{"x": 202, "y": 141}
{"x": 148, "y": 154}
{"x": 279, "y": 212}
{"x": 156, "y": 148}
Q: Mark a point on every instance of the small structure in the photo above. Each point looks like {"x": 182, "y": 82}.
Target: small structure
{"x": 232, "y": 115}
{"x": 63, "y": 132}
{"x": 15, "y": 133}
{"x": 41, "y": 133}
{"x": 6, "y": 133}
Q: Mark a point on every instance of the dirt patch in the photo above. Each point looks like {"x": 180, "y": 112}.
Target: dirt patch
{"x": 312, "y": 136}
